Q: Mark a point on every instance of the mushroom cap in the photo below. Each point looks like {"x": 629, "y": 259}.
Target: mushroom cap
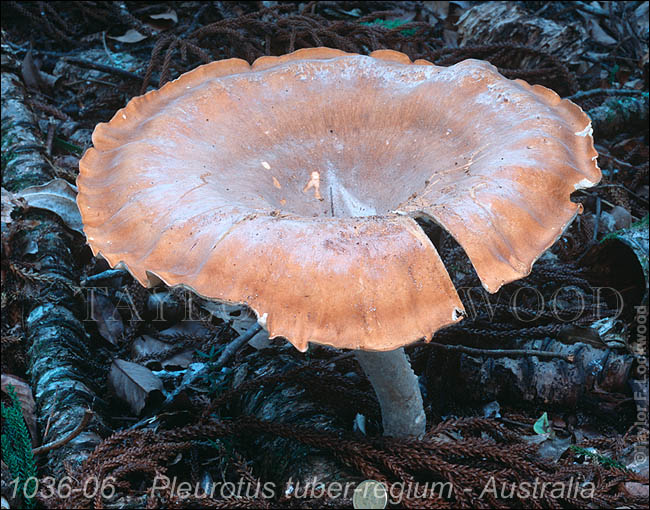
{"x": 292, "y": 186}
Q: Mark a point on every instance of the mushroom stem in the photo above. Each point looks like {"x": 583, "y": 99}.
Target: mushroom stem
{"x": 397, "y": 390}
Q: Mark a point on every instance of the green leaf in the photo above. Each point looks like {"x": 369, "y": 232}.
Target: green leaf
{"x": 391, "y": 24}
{"x": 542, "y": 426}
{"x": 68, "y": 146}
{"x": 601, "y": 459}
{"x": 17, "y": 446}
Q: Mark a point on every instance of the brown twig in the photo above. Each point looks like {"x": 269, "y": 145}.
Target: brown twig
{"x": 57, "y": 444}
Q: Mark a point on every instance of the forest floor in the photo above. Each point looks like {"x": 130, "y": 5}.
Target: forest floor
{"x": 97, "y": 412}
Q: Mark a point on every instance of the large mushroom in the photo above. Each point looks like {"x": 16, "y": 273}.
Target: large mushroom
{"x": 293, "y": 186}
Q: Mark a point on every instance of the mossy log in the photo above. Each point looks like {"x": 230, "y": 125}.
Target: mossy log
{"x": 620, "y": 115}
{"x": 64, "y": 375}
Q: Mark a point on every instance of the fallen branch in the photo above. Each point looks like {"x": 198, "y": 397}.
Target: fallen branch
{"x": 586, "y": 94}
{"x": 504, "y": 353}
{"x": 578, "y": 374}
{"x": 103, "y": 68}
{"x": 235, "y": 345}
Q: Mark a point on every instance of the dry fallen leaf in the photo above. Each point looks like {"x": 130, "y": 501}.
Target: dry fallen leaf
{"x": 30, "y": 72}
{"x": 26, "y": 399}
{"x": 599, "y": 35}
{"x": 109, "y": 322}
{"x": 130, "y": 37}
{"x": 637, "y": 489}
{"x": 641, "y": 17}
{"x": 159, "y": 22}
{"x": 550, "y": 448}
{"x": 439, "y": 9}
{"x": 169, "y": 15}
{"x": 9, "y": 203}
{"x": 186, "y": 328}
{"x": 57, "y": 196}
{"x": 147, "y": 346}
{"x": 134, "y": 384}
{"x": 240, "y": 319}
